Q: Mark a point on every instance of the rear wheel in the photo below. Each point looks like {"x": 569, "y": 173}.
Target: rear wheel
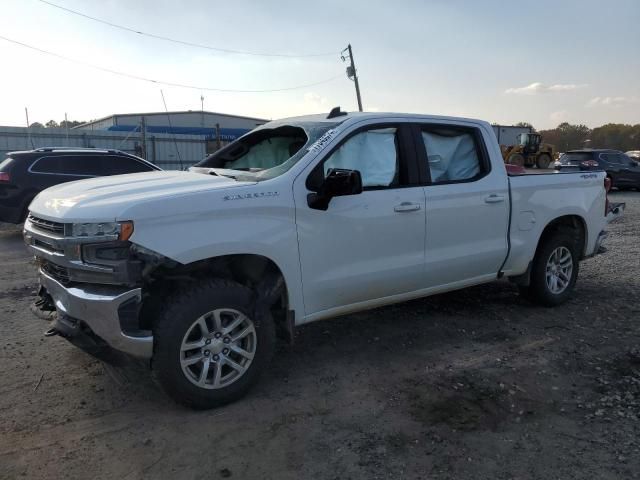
{"x": 554, "y": 271}
{"x": 209, "y": 348}
{"x": 543, "y": 161}
{"x": 516, "y": 159}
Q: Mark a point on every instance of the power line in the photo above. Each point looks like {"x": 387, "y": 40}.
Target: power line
{"x": 163, "y": 82}
{"x": 183, "y": 42}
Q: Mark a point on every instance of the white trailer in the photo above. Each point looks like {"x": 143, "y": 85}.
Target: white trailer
{"x": 508, "y": 134}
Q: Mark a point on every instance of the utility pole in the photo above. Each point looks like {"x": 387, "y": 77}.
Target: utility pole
{"x": 143, "y": 127}
{"x": 352, "y": 73}
{"x": 29, "y": 141}
{"x": 29, "y": 137}
{"x": 202, "y": 110}
{"x": 66, "y": 125}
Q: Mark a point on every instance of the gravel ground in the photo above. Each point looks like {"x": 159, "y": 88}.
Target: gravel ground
{"x": 476, "y": 384}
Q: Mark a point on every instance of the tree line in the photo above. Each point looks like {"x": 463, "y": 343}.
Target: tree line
{"x": 54, "y": 124}
{"x": 616, "y": 136}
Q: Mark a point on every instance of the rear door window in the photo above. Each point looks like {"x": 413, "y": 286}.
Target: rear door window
{"x": 453, "y": 154}
{"x": 625, "y": 160}
{"x": 73, "y": 165}
{"x": 575, "y": 158}
{"x": 611, "y": 158}
{"x": 116, "y": 165}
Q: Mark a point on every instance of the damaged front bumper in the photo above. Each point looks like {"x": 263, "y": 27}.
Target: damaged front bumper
{"x": 102, "y": 311}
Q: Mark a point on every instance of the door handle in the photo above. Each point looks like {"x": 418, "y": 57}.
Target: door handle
{"x": 493, "y": 198}
{"x": 406, "y": 207}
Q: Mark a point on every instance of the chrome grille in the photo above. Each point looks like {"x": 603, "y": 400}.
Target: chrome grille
{"x": 46, "y": 225}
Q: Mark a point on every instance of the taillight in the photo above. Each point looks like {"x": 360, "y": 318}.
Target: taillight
{"x": 589, "y": 164}
{"x": 607, "y": 187}
{"x": 4, "y": 177}
{"x": 515, "y": 169}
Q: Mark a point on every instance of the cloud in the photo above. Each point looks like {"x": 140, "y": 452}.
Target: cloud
{"x": 612, "y": 101}
{"x": 559, "y": 117}
{"x": 538, "y": 88}
{"x": 313, "y": 102}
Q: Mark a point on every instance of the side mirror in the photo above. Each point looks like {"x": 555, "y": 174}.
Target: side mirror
{"x": 338, "y": 183}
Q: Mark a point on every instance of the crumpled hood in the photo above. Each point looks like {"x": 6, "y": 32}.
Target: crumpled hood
{"x": 106, "y": 198}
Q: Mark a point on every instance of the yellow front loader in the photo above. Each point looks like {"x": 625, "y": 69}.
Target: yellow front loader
{"x": 528, "y": 152}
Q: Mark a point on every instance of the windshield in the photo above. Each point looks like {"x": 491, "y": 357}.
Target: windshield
{"x": 266, "y": 152}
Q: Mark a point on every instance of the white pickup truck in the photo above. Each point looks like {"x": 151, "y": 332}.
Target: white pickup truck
{"x": 300, "y": 220}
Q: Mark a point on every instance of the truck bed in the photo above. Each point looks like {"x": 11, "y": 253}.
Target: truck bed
{"x": 538, "y": 198}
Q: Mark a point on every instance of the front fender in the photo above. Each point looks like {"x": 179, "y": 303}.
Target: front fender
{"x": 217, "y": 224}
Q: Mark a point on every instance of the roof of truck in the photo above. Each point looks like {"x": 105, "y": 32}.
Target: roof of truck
{"x": 323, "y": 117}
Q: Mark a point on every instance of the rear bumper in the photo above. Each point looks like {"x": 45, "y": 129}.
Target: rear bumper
{"x": 98, "y": 307}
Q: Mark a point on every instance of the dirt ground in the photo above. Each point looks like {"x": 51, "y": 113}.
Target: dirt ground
{"x": 477, "y": 384}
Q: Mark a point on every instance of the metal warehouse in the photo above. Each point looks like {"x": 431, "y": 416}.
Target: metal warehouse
{"x": 210, "y": 124}
{"x": 172, "y": 140}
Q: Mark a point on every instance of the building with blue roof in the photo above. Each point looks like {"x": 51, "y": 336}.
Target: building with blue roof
{"x": 191, "y": 122}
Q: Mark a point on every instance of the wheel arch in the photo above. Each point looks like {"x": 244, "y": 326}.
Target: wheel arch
{"x": 261, "y": 274}
{"x": 573, "y": 222}
{"x": 570, "y": 221}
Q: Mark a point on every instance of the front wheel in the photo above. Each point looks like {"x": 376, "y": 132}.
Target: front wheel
{"x": 209, "y": 348}
{"x": 516, "y": 159}
{"x": 554, "y": 271}
{"x": 543, "y": 161}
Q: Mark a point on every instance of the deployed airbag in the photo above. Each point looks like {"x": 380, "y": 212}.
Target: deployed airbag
{"x": 372, "y": 153}
{"x": 452, "y": 155}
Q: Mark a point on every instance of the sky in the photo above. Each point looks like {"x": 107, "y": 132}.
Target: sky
{"x": 542, "y": 62}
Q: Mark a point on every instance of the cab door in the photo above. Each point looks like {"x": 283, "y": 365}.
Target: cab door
{"x": 370, "y": 245}
{"x": 467, "y": 205}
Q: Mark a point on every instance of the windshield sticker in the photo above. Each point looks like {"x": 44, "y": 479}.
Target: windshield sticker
{"x": 243, "y": 196}
{"x": 322, "y": 141}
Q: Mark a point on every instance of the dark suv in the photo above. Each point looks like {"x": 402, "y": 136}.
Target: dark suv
{"x": 25, "y": 174}
{"x": 623, "y": 170}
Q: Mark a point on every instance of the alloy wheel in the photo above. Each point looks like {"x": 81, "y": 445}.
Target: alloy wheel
{"x": 218, "y": 348}
{"x": 558, "y": 270}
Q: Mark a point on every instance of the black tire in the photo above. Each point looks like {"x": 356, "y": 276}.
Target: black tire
{"x": 543, "y": 161}
{"x": 179, "y": 313}
{"x": 516, "y": 159}
{"x": 538, "y": 290}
